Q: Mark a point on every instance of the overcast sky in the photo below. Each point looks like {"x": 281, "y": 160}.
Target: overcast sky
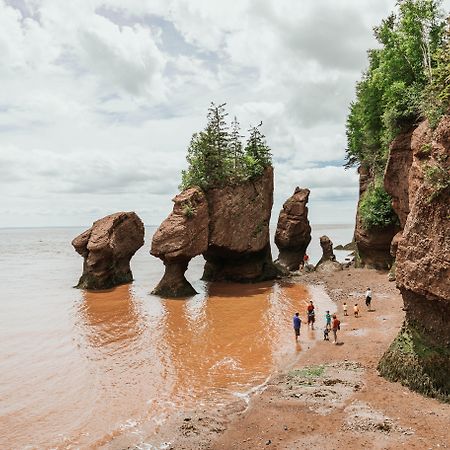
{"x": 99, "y": 99}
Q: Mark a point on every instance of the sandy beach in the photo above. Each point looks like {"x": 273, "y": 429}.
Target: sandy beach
{"x": 333, "y": 397}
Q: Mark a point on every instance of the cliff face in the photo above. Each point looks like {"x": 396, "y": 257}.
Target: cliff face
{"x": 293, "y": 233}
{"x": 373, "y": 244}
{"x": 238, "y": 245}
{"x": 107, "y": 248}
{"x": 182, "y": 236}
{"x": 420, "y": 357}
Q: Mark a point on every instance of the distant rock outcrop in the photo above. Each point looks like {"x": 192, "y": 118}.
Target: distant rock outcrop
{"x": 373, "y": 244}
{"x": 107, "y": 248}
{"x": 293, "y": 233}
{"x": 238, "y": 244}
{"x": 328, "y": 261}
{"x": 420, "y": 356}
{"x": 182, "y": 236}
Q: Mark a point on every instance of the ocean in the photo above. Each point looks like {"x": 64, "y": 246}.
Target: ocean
{"x": 102, "y": 370}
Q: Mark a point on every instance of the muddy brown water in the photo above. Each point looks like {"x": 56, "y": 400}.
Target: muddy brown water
{"x": 81, "y": 369}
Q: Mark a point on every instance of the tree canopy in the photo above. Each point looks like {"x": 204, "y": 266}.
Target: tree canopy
{"x": 408, "y": 79}
{"x": 217, "y": 157}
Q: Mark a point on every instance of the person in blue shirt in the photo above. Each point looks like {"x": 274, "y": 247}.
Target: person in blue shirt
{"x": 328, "y": 320}
{"x": 297, "y": 323}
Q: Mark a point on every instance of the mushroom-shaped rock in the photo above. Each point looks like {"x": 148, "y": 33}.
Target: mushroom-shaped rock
{"x": 183, "y": 235}
{"x": 293, "y": 233}
{"x": 328, "y": 261}
{"x": 107, "y": 248}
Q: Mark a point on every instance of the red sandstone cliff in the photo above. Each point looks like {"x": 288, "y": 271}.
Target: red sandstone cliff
{"x": 420, "y": 357}
{"x": 373, "y": 244}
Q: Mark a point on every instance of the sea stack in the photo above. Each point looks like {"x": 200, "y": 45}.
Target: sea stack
{"x": 181, "y": 237}
{"x": 107, "y": 248}
{"x": 328, "y": 261}
{"x": 293, "y": 233}
{"x": 239, "y": 241}
{"x": 373, "y": 244}
{"x": 420, "y": 355}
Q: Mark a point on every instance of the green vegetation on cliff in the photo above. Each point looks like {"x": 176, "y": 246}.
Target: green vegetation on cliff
{"x": 407, "y": 80}
{"x": 217, "y": 157}
{"x": 418, "y": 363}
{"x": 375, "y": 208}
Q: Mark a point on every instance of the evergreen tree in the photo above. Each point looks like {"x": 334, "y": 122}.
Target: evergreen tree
{"x": 236, "y": 151}
{"x": 257, "y": 152}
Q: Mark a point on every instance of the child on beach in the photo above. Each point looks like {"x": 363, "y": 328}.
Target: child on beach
{"x": 325, "y": 333}
{"x": 356, "y": 310}
{"x": 335, "y": 327}
{"x": 344, "y": 307}
{"x": 328, "y": 320}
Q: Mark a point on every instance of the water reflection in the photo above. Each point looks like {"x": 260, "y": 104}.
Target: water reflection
{"x": 110, "y": 319}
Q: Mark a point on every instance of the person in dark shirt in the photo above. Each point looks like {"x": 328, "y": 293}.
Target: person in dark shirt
{"x": 297, "y": 323}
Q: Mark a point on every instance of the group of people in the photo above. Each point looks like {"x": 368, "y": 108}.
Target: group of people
{"x": 332, "y": 323}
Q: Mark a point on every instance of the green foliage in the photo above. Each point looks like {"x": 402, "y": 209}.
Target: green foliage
{"x": 216, "y": 156}
{"x": 437, "y": 176}
{"x": 189, "y": 210}
{"x": 436, "y": 99}
{"x": 375, "y": 208}
{"x": 390, "y": 94}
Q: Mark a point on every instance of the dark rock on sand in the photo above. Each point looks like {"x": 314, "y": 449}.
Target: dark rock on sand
{"x": 107, "y": 248}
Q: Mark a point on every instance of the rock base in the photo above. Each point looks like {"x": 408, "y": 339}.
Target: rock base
{"x": 92, "y": 282}
{"x": 416, "y": 362}
{"x": 246, "y": 268}
{"x": 174, "y": 284}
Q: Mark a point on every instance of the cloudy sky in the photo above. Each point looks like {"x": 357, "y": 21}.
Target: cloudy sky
{"x": 99, "y": 98}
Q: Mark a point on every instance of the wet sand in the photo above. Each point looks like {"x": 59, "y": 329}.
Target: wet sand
{"x": 332, "y": 397}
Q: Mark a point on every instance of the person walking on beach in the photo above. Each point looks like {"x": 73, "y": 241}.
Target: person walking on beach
{"x": 336, "y": 325}
{"x": 368, "y": 298}
{"x": 304, "y": 261}
{"x": 328, "y": 320}
{"x": 344, "y": 307}
{"x": 356, "y": 310}
{"x": 311, "y": 314}
{"x": 297, "y": 324}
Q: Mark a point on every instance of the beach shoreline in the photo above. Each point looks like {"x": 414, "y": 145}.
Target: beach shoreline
{"x": 333, "y": 397}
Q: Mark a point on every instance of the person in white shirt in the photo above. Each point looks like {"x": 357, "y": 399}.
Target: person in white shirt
{"x": 368, "y": 298}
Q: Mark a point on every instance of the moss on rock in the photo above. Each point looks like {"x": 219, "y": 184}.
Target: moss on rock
{"x": 419, "y": 364}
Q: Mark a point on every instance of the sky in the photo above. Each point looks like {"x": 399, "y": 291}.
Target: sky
{"x": 99, "y": 99}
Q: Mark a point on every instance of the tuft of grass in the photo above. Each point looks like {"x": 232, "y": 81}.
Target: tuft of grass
{"x": 308, "y": 372}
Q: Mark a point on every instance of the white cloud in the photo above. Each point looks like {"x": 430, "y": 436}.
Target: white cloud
{"x": 99, "y": 98}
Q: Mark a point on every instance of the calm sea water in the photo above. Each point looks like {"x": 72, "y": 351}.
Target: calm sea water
{"x": 103, "y": 370}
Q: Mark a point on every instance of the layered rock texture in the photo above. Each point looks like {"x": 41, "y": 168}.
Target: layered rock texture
{"x": 373, "y": 244}
{"x": 107, "y": 248}
{"x": 293, "y": 233}
{"x": 239, "y": 245}
{"x": 182, "y": 236}
{"x": 420, "y": 356}
{"x": 328, "y": 261}
{"x": 228, "y": 225}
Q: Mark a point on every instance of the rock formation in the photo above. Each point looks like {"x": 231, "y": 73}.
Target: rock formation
{"x": 373, "y": 244}
{"x": 420, "y": 356}
{"x": 238, "y": 245}
{"x": 107, "y": 248}
{"x": 328, "y": 261}
{"x": 293, "y": 233}
{"x": 183, "y": 235}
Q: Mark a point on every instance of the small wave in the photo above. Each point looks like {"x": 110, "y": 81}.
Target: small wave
{"x": 228, "y": 362}
{"x": 247, "y": 395}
